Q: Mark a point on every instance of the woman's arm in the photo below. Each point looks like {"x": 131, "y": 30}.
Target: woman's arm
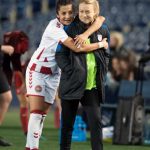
{"x": 69, "y": 42}
{"x": 80, "y": 39}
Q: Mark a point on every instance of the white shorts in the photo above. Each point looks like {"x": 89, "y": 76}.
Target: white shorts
{"x": 44, "y": 85}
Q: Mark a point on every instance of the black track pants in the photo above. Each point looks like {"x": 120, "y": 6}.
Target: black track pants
{"x": 91, "y": 104}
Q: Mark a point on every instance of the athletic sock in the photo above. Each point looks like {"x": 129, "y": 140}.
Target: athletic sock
{"x": 57, "y": 118}
{"x": 24, "y": 119}
{"x": 35, "y": 127}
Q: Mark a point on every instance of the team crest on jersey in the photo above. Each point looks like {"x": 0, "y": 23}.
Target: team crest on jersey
{"x": 99, "y": 36}
{"x": 38, "y": 88}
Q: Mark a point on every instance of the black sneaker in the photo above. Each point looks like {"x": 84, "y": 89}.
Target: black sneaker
{"x": 3, "y": 142}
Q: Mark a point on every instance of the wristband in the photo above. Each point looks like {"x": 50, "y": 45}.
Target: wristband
{"x": 100, "y": 44}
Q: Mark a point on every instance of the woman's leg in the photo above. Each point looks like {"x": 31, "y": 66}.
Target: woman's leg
{"x": 15, "y": 74}
{"x": 5, "y": 95}
{"x": 57, "y": 111}
{"x": 5, "y": 100}
{"x": 94, "y": 120}
{"x": 91, "y": 104}
{"x": 41, "y": 91}
{"x": 38, "y": 111}
{"x": 19, "y": 83}
{"x": 23, "y": 112}
{"x": 69, "y": 109}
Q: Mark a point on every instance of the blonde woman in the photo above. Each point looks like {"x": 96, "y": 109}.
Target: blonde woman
{"x": 82, "y": 78}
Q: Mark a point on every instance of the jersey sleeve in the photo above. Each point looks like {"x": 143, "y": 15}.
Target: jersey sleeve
{"x": 58, "y": 34}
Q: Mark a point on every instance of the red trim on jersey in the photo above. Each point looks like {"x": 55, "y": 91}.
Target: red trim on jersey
{"x": 27, "y": 148}
{"x": 44, "y": 70}
{"x": 45, "y": 60}
{"x": 38, "y": 112}
{"x": 40, "y": 53}
{"x": 33, "y": 95}
{"x": 33, "y": 67}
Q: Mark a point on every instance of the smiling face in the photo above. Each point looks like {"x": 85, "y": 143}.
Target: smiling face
{"x": 65, "y": 14}
{"x": 86, "y": 13}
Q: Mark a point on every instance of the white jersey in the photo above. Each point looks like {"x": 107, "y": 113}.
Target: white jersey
{"x": 44, "y": 56}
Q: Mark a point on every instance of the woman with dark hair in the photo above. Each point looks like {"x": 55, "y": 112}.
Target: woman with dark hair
{"x": 43, "y": 73}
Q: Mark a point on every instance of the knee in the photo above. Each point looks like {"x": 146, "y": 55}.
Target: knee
{"x": 95, "y": 118}
{"x": 10, "y": 98}
{"x": 7, "y": 97}
{"x": 93, "y": 113}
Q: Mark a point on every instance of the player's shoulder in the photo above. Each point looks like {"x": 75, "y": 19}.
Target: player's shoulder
{"x": 53, "y": 26}
{"x": 104, "y": 26}
{"x": 55, "y": 23}
{"x": 104, "y": 29}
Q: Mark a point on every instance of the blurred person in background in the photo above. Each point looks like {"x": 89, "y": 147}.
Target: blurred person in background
{"x": 42, "y": 74}
{"x": 113, "y": 79}
{"x": 123, "y": 67}
{"x": 128, "y": 65}
{"x": 116, "y": 42}
{"x": 5, "y": 92}
{"x": 114, "y": 75}
{"x": 82, "y": 77}
{"x": 116, "y": 47}
{"x": 13, "y": 70}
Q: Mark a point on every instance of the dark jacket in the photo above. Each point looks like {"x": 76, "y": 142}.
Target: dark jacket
{"x": 1, "y": 57}
{"x": 73, "y": 65}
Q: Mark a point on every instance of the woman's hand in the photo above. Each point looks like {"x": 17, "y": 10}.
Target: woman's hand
{"x": 105, "y": 43}
{"x": 7, "y": 49}
{"x": 80, "y": 39}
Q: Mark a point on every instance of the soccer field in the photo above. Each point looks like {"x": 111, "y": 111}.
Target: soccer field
{"x": 11, "y": 130}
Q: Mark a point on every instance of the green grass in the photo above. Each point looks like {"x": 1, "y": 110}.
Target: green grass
{"x": 11, "y": 130}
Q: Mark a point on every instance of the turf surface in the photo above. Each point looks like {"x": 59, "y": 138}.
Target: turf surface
{"x": 11, "y": 130}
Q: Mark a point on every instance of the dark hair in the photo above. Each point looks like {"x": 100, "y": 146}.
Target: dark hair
{"x": 62, "y": 3}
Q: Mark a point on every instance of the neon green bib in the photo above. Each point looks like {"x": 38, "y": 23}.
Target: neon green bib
{"x": 91, "y": 69}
